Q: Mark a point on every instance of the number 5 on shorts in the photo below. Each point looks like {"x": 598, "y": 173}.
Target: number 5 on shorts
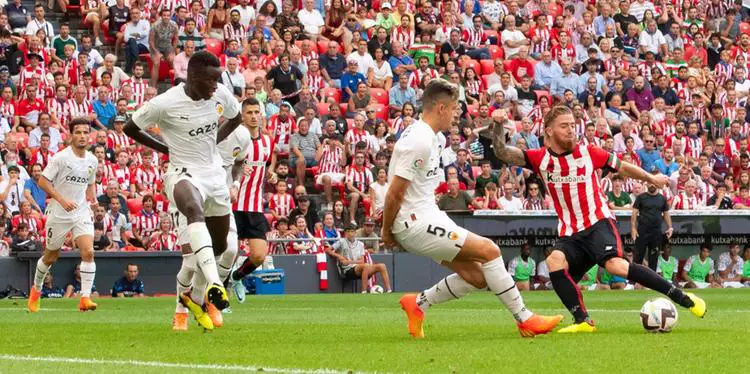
{"x": 436, "y": 230}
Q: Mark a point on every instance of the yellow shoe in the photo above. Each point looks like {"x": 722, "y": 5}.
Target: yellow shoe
{"x": 216, "y": 294}
{"x": 200, "y": 315}
{"x": 215, "y": 315}
{"x": 699, "y": 309}
{"x": 179, "y": 322}
{"x": 587, "y": 326}
{"x": 34, "y": 296}
{"x": 86, "y": 304}
{"x": 414, "y": 314}
{"x": 538, "y": 325}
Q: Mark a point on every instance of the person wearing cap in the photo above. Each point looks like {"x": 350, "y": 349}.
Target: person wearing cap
{"x": 5, "y": 80}
{"x": 351, "y": 79}
{"x": 12, "y": 190}
{"x": 386, "y": 18}
{"x": 368, "y": 231}
{"x": 352, "y": 263}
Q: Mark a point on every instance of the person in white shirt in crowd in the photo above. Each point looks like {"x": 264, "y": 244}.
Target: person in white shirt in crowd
{"x": 247, "y": 13}
{"x": 512, "y": 39}
{"x": 652, "y": 40}
{"x": 626, "y": 131}
{"x": 377, "y": 193}
{"x": 508, "y": 201}
{"x": 731, "y": 267}
{"x": 365, "y": 62}
{"x": 312, "y": 20}
{"x": 232, "y": 78}
{"x": 39, "y": 23}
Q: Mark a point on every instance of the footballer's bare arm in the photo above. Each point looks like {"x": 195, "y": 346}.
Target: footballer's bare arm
{"x": 506, "y": 153}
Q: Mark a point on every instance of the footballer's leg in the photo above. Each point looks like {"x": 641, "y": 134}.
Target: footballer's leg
{"x": 184, "y": 282}
{"x": 258, "y": 249}
{"x": 85, "y": 242}
{"x": 57, "y": 230}
{"x": 566, "y": 287}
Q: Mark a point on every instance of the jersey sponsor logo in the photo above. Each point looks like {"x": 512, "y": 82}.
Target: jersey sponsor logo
{"x": 556, "y": 178}
{"x": 204, "y": 129}
{"x": 76, "y": 179}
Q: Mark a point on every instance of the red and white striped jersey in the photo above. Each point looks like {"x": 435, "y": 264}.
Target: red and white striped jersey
{"x": 644, "y": 69}
{"x": 730, "y": 111}
{"x": 354, "y": 136}
{"x": 146, "y": 174}
{"x": 684, "y": 202}
{"x": 139, "y": 86}
{"x": 282, "y": 131}
{"x": 397, "y": 124}
{"x": 694, "y": 147}
{"x": 269, "y": 61}
{"x": 403, "y": 35}
{"x": 8, "y": 110}
{"x": 306, "y": 58}
{"x": 670, "y": 139}
{"x": 596, "y": 141}
{"x": 281, "y": 204}
{"x": 172, "y": 5}
{"x": 315, "y": 82}
{"x": 41, "y": 157}
{"x": 121, "y": 174}
{"x": 614, "y": 66}
{"x": 164, "y": 242}
{"x": 543, "y": 43}
{"x": 533, "y": 204}
{"x": 559, "y": 53}
{"x": 360, "y": 178}
{"x": 606, "y": 185}
{"x": 705, "y": 191}
{"x": 117, "y": 141}
{"x": 474, "y": 87}
{"x": 416, "y": 76}
{"x": 330, "y": 160}
{"x": 146, "y": 223}
{"x": 231, "y": 33}
{"x": 474, "y": 38}
{"x": 250, "y": 194}
{"x": 667, "y": 193}
{"x": 27, "y": 73}
{"x": 56, "y": 109}
{"x": 574, "y": 184}
{"x": 33, "y": 224}
{"x": 686, "y": 95}
{"x": 74, "y": 109}
{"x": 733, "y": 147}
{"x": 723, "y": 72}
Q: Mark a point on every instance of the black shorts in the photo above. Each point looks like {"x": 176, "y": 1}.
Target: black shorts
{"x": 589, "y": 247}
{"x": 350, "y": 274}
{"x": 251, "y": 225}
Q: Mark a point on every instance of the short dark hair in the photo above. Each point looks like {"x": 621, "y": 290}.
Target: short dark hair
{"x": 250, "y": 101}
{"x": 78, "y": 121}
{"x": 438, "y": 90}
{"x": 202, "y": 60}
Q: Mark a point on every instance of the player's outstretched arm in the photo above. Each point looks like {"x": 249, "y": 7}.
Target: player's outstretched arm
{"x": 510, "y": 155}
{"x": 629, "y": 170}
{"x": 228, "y": 127}
{"x": 393, "y": 199}
{"x": 132, "y": 130}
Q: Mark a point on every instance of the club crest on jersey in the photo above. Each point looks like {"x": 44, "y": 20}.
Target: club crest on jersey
{"x": 580, "y": 162}
{"x": 91, "y": 171}
{"x": 219, "y": 109}
{"x": 236, "y": 152}
{"x": 418, "y": 163}
{"x": 453, "y": 235}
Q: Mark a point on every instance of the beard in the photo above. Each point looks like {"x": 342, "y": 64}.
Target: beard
{"x": 652, "y": 189}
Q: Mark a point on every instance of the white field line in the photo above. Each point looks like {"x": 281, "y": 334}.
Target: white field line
{"x": 305, "y": 309}
{"x": 167, "y": 365}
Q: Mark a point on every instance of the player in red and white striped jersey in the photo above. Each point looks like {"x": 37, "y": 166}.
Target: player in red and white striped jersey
{"x": 588, "y": 234}
{"x": 281, "y": 203}
{"x": 145, "y": 222}
{"x": 248, "y": 207}
{"x": 282, "y": 126}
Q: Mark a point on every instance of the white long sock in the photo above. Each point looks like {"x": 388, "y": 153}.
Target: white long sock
{"x": 449, "y": 288}
{"x": 88, "y": 271}
{"x": 203, "y": 250}
{"x": 226, "y": 260}
{"x": 504, "y": 287}
{"x": 41, "y": 272}
{"x": 184, "y": 279}
{"x": 199, "y": 288}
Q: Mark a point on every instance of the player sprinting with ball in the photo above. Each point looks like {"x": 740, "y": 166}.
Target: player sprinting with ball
{"x": 413, "y": 221}
{"x": 587, "y": 228}
{"x": 69, "y": 180}
{"x": 188, "y": 116}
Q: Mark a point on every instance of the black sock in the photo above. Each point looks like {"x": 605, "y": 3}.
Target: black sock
{"x": 246, "y": 268}
{"x": 649, "y": 278}
{"x": 569, "y": 294}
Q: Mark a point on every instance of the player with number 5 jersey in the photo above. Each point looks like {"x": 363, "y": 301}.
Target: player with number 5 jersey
{"x": 412, "y": 220}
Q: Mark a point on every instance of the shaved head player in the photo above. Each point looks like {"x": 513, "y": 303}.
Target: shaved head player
{"x": 412, "y": 220}
{"x": 195, "y": 184}
{"x": 587, "y": 228}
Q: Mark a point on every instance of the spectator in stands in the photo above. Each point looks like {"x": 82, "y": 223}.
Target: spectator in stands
{"x": 40, "y": 23}
{"x": 464, "y": 168}
{"x": 190, "y": 33}
{"x": 545, "y": 71}
{"x": 485, "y": 177}
{"x": 331, "y": 156}
{"x": 23, "y": 241}
{"x": 456, "y": 199}
{"x": 532, "y": 142}
{"x": 32, "y": 192}
{"x": 523, "y": 268}
{"x": 332, "y": 65}
{"x": 11, "y": 190}
{"x": 311, "y": 19}
{"x": 535, "y": 200}
{"x": 568, "y": 80}
{"x": 304, "y": 150}
{"x": 74, "y": 288}
{"x": 18, "y": 16}
{"x": 129, "y": 285}
{"x": 730, "y": 267}
{"x": 667, "y": 165}
{"x": 165, "y": 239}
{"x": 145, "y": 223}
{"x": 305, "y": 210}
{"x": 29, "y": 217}
{"x": 742, "y": 200}
{"x": 181, "y": 61}
{"x": 281, "y": 203}
{"x": 112, "y": 194}
{"x": 687, "y": 199}
{"x": 698, "y": 271}
{"x": 353, "y": 261}
{"x": 101, "y": 240}
{"x": 617, "y": 198}
{"x": 49, "y": 289}
{"x": 232, "y": 78}
{"x": 163, "y": 39}
{"x": 104, "y": 108}
{"x": 285, "y": 77}
{"x": 508, "y": 201}
{"x": 302, "y": 231}
{"x": 358, "y": 180}
{"x": 649, "y": 154}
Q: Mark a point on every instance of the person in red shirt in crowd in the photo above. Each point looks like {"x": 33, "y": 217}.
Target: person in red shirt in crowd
{"x": 281, "y": 203}
{"x": 146, "y": 177}
{"x": 358, "y": 180}
{"x": 564, "y": 51}
{"x": 31, "y": 218}
{"x": 28, "y": 109}
{"x": 164, "y": 240}
{"x": 523, "y": 65}
{"x": 450, "y": 173}
{"x": 42, "y": 154}
{"x": 145, "y": 223}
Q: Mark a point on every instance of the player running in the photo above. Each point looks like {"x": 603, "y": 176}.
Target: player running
{"x": 69, "y": 180}
{"x": 588, "y": 234}
{"x": 247, "y": 193}
{"x": 412, "y": 220}
{"x": 195, "y": 184}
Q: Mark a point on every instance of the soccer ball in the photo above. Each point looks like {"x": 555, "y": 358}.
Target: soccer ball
{"x": 659, "y": 315}
{"x": 376, "y": 289}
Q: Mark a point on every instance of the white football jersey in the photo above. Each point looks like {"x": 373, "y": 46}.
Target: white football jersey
{"x": 234, "y": 148}
{"x": 70, "y": 176}
{"x": 189, "y": 127}
{"x": 416, "y": 158}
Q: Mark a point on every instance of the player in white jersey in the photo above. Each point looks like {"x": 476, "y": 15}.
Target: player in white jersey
{"x": 412, "y": 220}
{"x": 69, "y": 180}
{"x": 188, "y": 116}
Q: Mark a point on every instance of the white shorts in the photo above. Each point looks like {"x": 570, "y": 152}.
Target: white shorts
{"x": 179, "y": 222}
{"x": 732, "y": 285}
{"x": 336, "y": 178}
{"x": 433, "y": 235}
{"x": 699, "y": 285}
{"x": 58, "y": 228}
{"x": 211, "y": 185}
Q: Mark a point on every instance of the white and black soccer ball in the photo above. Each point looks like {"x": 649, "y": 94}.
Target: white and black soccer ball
{"x": 659, "y": 315}
{"x": 376, "y": 289}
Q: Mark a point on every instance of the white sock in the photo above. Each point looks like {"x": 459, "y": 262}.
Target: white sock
{"x": 203, "y": 250}
{"x": 504, "y": 287}
{"x": 41, "y": 272}
{"x": 199, "y": 288}
{"x": 449, "y": 288}
{"x": 184, "y": 278}
{"x": 88, "y": 271}
{"x": 226, "y": 260}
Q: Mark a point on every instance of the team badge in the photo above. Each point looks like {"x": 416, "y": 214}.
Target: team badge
{"x": 453, "y": 235}
{"x": 219, "y": 109}
{"x": 580, "y": 162}
{"x": 418, "y": 163}
{"x": 236, "y": 152}
{"x": 91, "y": 171}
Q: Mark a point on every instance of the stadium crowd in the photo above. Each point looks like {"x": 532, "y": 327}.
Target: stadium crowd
{"x": 662, "y": 84}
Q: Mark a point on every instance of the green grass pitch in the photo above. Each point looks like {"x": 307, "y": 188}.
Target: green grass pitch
{"x": 367, "y": 333}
